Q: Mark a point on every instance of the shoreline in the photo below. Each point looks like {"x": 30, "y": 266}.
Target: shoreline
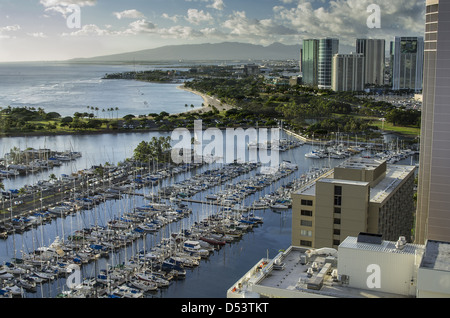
{"x": 208, "y": 102}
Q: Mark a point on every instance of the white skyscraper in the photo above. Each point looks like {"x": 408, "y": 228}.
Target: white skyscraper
{"x": 348, "y": 72}
{"x": 375, "y": 55}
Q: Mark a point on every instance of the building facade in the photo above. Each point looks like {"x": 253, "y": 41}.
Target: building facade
{"x": 374, "y": 53}
{"x": 360, "y": 195}
{"x": 310, "y": 62}
{"x": 407, "y": 63}
{"x": 348, "y": 72}
{"x": 433, "y": 200}
{"x": 328, "y": 47}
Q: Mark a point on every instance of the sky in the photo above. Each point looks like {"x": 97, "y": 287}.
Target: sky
{"x": 48, "y": 30}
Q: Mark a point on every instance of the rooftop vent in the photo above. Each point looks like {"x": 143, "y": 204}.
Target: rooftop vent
{"x": 369, "y": 238}
{"x": 400, "y": 243}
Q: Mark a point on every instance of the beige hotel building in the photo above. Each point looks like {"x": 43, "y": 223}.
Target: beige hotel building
{"x": 360, "y": 195}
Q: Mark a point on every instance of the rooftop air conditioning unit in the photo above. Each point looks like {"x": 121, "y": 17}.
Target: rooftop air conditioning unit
{"x": 400, "y": 243}
{"x": 334, "y": 275}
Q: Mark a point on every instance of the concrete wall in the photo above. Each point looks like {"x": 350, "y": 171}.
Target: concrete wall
{"x": 433, "y": 283}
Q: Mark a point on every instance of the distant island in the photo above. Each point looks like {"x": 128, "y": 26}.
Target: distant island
{"x": 226, "y": 51}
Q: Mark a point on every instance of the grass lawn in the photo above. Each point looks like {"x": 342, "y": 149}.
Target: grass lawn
{"x": 408, "y": 131}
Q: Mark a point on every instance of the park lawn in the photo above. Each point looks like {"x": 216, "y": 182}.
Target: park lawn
{"x": 389, "y": 127}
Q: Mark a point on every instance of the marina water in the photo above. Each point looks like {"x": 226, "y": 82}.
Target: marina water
{"x": 214, "y": 275}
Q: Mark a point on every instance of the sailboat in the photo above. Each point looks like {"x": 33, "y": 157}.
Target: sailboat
{"x": 314, "y": 154}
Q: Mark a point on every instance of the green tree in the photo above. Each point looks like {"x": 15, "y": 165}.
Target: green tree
{"x": 156, "y": 149}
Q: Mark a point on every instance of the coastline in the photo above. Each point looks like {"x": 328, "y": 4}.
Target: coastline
{"x": 208, "y": 102}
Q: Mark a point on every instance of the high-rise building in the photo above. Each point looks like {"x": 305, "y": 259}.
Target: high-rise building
{"x": 407, "y": 63}
{"x": 360, "y": 195}
{"x": 433, "y": 199}
{"x": 301, "y": 61}
{"x": 374, "y": 54}
{"x": 328, "y": 47}
{"x": 348, "y": 73}
{"x": 310, "y": 62}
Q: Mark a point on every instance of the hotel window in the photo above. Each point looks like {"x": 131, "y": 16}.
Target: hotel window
{"x": 305, "y": 233}
{"x": 337, "y": 200}
{"x": 306, "y": 212}
{"x": 307, "y": 202}
{"x": 337, "y": 221}
{"x": 305, "y": 223}
{"x": 337, "y": 190}
{"x": 336, "y": 242}
{"x": 305, "y": 243}
{"x": 337, "y": 232}
{"x": 337, "y": 210}
{"x": 432, "y": 8}
{"x": 338, "y": 195}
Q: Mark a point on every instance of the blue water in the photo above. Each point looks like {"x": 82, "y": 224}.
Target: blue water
{"x": 213, "y": 277}
{"x": 70, "y": 88}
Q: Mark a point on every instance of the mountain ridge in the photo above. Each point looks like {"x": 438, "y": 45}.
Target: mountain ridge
{"x": 203, "y": 52}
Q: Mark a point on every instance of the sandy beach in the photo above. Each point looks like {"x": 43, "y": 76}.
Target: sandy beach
{"x": 208, "y": 101}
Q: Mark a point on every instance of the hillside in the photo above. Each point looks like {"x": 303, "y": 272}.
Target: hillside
{"x": 205, "y": 52}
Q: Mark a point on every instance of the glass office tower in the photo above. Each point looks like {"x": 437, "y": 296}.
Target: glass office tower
{"x": 310, "y": 61}
{"x": 328, "y": 47}
{"x": 407, "y": 63}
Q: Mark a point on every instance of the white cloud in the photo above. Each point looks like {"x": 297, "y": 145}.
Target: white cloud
{"x": 129, "y": 14}
{"x": 81, "y": 3}
{"x": 140, "y": 26}
{"x": 217, "y": 4}
{"x": 8, "y": 29}
{"x": 173, "y": 18}
{"x": 63, "y": 6}
{"x": 180, "y": 32}
{"x": 240, "y": 25}
{"x": 134, "y": 28}
{"x": 89, "y": 30}
{"x": 196, "y": 17}
{"x": 37, "y": 35}
{"x": 347, "y": 19}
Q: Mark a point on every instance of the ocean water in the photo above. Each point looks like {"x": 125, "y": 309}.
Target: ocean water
{"x": 68, "y": 88}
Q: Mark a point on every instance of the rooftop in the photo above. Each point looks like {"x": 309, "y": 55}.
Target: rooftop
{"x": 361, "y": 163}
{"x": 436, "y": 256}
{"x": 384, "y": 246}
{"x": 395, "y": 174}
{"x": 300, "y": 272}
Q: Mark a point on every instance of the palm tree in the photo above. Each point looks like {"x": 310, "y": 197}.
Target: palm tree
{"x": 2, "y": 187}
